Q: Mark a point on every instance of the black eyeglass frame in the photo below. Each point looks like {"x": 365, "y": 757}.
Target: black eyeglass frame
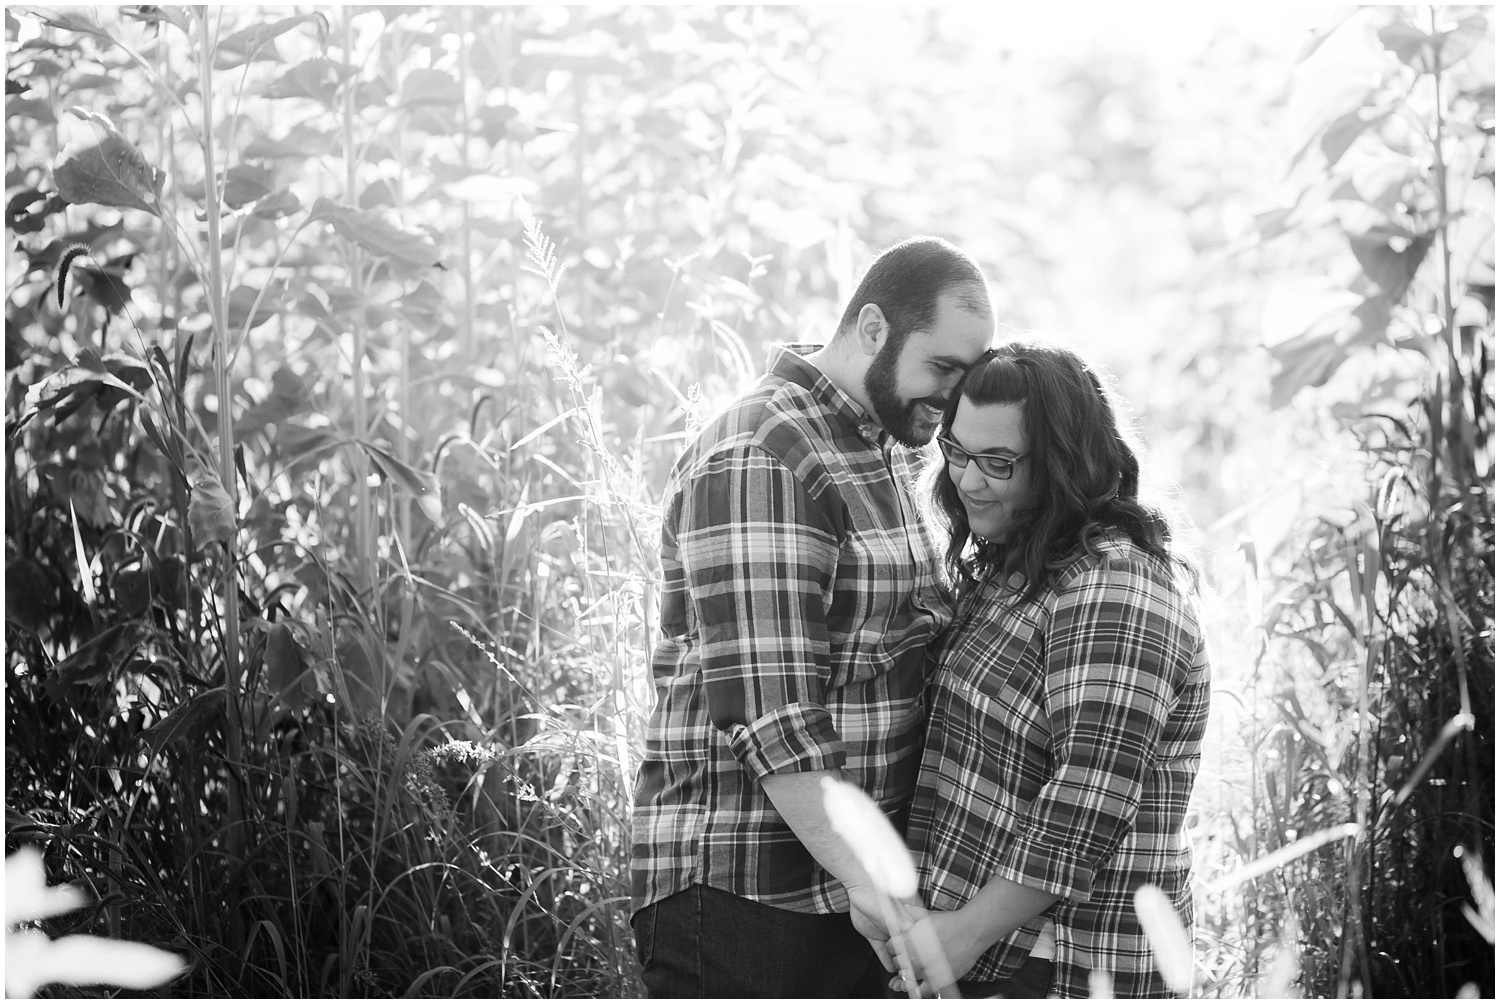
{"x": 1007, "y": 465}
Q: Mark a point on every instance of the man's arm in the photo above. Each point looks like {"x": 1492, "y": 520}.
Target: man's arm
{"x": 760, "y": 557}
{"x": 799, "y": 799}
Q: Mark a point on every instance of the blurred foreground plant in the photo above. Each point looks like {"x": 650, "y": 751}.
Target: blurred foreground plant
{"x": 33, "y": 960}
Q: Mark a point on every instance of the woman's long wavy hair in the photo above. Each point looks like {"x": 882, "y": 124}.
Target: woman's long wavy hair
{"x": 1085, "y": 476}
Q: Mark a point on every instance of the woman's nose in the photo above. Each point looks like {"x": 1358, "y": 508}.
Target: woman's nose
{"x": 971, "y": 480}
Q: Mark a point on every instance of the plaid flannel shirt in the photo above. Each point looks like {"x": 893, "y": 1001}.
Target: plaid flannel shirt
{"x": 799, "y": 595}
{"x": 1062, "y": 744}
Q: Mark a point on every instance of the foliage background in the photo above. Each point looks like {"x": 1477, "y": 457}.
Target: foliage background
{"x": 341, "y": 698}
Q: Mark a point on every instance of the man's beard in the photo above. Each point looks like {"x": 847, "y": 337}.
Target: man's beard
{"x": 897, "y": 416}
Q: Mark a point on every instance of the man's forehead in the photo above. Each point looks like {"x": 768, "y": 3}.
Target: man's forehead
{"x": 958, "y": 336}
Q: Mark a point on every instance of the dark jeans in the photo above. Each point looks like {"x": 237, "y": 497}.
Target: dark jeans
{"x": 704, "y": 942}
{"x": 1032, "y": 980}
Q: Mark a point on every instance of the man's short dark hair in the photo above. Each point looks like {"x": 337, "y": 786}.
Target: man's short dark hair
{"x": 906, "y": 280}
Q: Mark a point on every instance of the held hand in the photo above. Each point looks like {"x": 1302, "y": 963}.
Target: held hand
{"x": 948, "y": 932}
{"x": 873, "y": 914}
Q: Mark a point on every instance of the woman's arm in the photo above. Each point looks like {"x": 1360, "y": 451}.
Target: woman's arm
{"x": 990, "y": 915}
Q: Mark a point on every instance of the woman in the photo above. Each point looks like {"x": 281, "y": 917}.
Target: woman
{"x": 1070, "y": 695}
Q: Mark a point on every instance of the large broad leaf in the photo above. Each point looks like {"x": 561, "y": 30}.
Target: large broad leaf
{"x": 286, "y": 675}
{"x": 112, "y": 172}
{"x": 423, "y": 485}
{"x": 1341, "y": 134}
{"x": 185, "y": 721}
{"x": 275, "y": 205}
{"x": 1405, "y": 39}
{"x": 1427, "y": 53}
{"x": 244, "y": 183}
{"x": 317, "y": 79}
{"x": 173, "y": 14}
{"x": 297, "y": 440}
{"x": 26, "y": 212}
{"x": 258, "y": 42}
{"x": 242, "y": 300}
{"x": 302, "y": 141}
{"x": 94, "y": 659}
{"x": 1305, "y": 361}
{"x": 1390, "y": 258}
{"x": 430, "y": 87}
{"x": 288, "y": 397}
{"x": 210, "y": 511}
{"x": 71, "y": 388}
{"x": 80, "y": 19}
{"x": 425, "y": 307}
{"x": 377, "y": 232}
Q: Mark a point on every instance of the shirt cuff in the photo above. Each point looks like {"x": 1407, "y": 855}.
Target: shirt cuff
{"x": 1051, "y": 869}
{"x": 792, "y": 739}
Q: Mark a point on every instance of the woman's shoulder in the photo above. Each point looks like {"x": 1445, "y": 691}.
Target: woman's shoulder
{"x": 1113, "y": 559}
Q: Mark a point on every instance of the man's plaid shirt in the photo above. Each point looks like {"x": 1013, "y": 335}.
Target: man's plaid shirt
{"x": 799, "y": 595}
{"x": 1062, "y": 745}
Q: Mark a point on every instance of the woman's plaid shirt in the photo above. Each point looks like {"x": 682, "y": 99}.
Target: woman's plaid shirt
{"x": 799, "y": 594}
{"x": 1062, "y": 745}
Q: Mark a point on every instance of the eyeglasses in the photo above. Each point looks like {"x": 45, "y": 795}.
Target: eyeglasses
{"x": 991, "y": 465}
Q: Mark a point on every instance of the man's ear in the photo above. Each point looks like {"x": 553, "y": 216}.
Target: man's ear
{"x": 871, "y": 329}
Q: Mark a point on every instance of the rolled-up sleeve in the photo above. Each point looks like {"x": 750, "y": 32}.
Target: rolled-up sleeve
{"x": 759, "y": 557}
{"x": 1113, "y": 644}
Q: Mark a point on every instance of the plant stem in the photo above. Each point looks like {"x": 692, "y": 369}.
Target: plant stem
{"x": 362, "y": 517}
{"x": 232, "y": 724}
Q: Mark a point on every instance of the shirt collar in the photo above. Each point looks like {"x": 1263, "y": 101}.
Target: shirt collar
{"x": 789, "y": 362}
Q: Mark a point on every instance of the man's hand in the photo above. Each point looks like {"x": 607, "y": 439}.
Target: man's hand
{"x": 873, "y": 914}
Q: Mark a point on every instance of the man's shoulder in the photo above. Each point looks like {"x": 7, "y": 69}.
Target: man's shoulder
{"x": 775, "y": 417}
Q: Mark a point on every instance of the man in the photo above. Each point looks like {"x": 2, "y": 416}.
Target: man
{"x": 799, "y": 595}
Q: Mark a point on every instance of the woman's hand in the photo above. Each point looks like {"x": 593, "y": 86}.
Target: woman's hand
{"x": 950, "y": 933}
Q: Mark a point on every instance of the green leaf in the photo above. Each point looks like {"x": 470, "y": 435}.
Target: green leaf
{"x": 69, "y": 389}
{"x": 243, "y": 184}
{"x": 430, "y": 87}
{"x": 29, "y": 595}
{"x": 258, "y": 42}
{"x": 112, "y": 172}
{"x": 421, "y": 484}
{"x": 1405, "y": 39}
{"x": 1341, "y": 134}
{"x": 1373, "y": 318}
{"x": 1457, "y": 42}
{"x": 179, "y": 16}
{"x": 302, "y": 141}
{"x": 298, "y": 440}
{"x": 377, "y": 232}
{"x": 128, "y": 377}
{"x": 91, "y": 81}
{"x": 107, "y": 286}
{"x": 1386, "y": 266}
{"x": 317, "y": 79}
{"x": 81, "y": 19}
{"x": 1307, "y": 360}
{"x": 242, "y": 298}
{"x": 277, "y": 204}
{"x": 288, "y": 397}
{"x": 184, "y": 722}
{"x": 92, "y": 660}
{"x": 210, "y": 512}
{"x": 425, "y": 307}
{"x": 285, "y": 667}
